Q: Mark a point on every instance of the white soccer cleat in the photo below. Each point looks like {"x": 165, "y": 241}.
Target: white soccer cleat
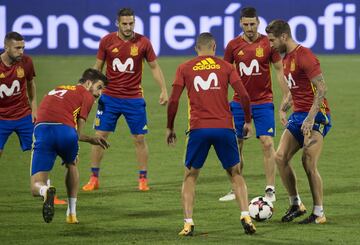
{"x": 228, "y": 197}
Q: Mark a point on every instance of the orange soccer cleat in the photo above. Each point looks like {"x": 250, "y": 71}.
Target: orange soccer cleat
{"x": 93, "y": 184}
{"x": 58, "y": 201}
{"x": 143, "y": 184}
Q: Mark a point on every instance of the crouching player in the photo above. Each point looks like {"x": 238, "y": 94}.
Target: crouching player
{"x": 61, "y": 117}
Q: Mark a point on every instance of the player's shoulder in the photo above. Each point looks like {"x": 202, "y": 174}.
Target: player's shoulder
{"x": 26, "y": 59}
{"x": 109, "y": 36}
{"x": 304, "y": 50}
{"x": 235, "y": 41}
{"x": 140, "y": 38}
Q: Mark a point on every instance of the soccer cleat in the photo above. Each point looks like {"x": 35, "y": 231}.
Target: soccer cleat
{"x": 247, "y": 224}
{"x": 93, "y": 184}
{"x": 59, "y": 201}
{"x": 313, "y": 219}
{"x": 270, "y": 195}
{"x": 71, "y": 219}
{"x": 188, "y": 229}
{"x": 48, "y": 205}
{"x": 228, "y": 197}
{"x": 293, "y": 212}
{"x": 143, "y": 184}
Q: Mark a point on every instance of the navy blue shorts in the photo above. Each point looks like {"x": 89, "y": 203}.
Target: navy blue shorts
{"x": 322, "y": 124}
{"x": 23, "y": 127}
{"x": 200, "y": 140}
{"x": 263, "y": 117}
{"x": 51, "y": 140}
{"x": 110, "y": 109}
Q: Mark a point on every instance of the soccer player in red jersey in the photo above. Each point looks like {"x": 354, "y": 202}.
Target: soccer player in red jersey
{"x": 207, "y": 79}
{"x": 18, "y": 105}
{"x": 252, "y": 55}
{"x": 123, "y": 52}
{"x": 17, "y": 92}
{"x": 306, "y": 126}
{"x": 61, "y": 118}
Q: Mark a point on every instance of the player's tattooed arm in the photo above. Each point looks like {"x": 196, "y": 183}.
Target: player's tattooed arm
{"x": 320, "y": 89}
{"x": 285, "y": 105}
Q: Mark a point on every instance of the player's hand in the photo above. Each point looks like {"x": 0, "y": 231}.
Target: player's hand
{"x": 307, "y": 126}
{"x": 101, "y": 141}
{"x": 163, "y": 98}
{"x": 170, "y": 137}
{"x": 283, "y": 118}
{"x": 247, "y": 131}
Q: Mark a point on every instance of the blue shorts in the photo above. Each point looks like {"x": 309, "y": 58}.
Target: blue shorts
{"x": 263, "y": 117}
{"x": 110, "y": 109}
{"x": 23, "y": 127}
{"x": 200, "y": 140}
{"x": 322, "y": 124}
{"x": 51, "y": 140}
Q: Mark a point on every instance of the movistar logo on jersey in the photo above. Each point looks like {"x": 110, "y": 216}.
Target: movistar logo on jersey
{"x": 290, "y": 81}
{"x": 253, "y": 69}
{"x": 128, "y": 66}
{"x": 206, "y": 64}
{"x": 206, "y": 84}
{"x": 13, "y": 90}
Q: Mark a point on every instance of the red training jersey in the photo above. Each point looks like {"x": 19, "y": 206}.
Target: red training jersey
{"x": 206, "y": 79}
{"x": 252, "y": 61}
{"x": 124, "y": 63}
{"x": 14, "y": 102}
{"x": 65, "y": 104}
{"x": 300, "y": 66}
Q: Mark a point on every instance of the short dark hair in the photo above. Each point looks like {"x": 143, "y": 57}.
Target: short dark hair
{"x": 13, "y": 36}
{"x": 278, "y": 27}
{"x": 125, "y": 12}
{"x": 93, "y": 75}
{"x": 205, "y": 39}
{"x": 248, "y": 12}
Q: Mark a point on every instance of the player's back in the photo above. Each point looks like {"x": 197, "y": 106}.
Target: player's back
{"x": 64, "y": 104}
{"x": 206, "y": 79}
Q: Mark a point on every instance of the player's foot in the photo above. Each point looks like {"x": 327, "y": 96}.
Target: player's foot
{"x": 71, "y": 219}
{"x": 247, "y": 224}
{"x": 313, "y": 219}
{"x": 228, "y": 197}
{"x": 270, "y": 194}
{"x": 93, "y": 184}
{"x": 48, "y": 205}
{"x": 58, "y": 201}
{"x": 293, "y": 212}
{"x": 188, "y": 229}
{"x": 143, "y": 184}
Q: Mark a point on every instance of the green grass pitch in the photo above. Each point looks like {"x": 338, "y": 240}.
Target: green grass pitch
{"x": 119, "y": 214}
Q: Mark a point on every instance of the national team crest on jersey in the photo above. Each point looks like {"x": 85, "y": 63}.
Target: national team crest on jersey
{"x": 259, "y": 52}
{"x": 134, "y": 50}
{"x": 206, "y": 64}
{"x": 20, "y": 73}
{"x": 292, "y": 65}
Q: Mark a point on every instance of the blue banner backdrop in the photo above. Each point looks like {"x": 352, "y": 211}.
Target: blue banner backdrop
{"x": 76, "y": 26}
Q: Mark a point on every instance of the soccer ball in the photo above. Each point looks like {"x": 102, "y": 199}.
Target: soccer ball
{"x": 260, "y": 208}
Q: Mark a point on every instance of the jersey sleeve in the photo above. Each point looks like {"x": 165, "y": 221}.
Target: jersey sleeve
{"x": 310, "y": 64}
{"x": 149, "y": 51}
{"x": 179, "y": 78}
{"x": 275, "y": 56}
{"x": 234, "y": 76}
{"x": 87, "y": 103}
{"x": 101, "y": 53}
{"x": 228, "y": 56}
{"x": 29, "y": 69}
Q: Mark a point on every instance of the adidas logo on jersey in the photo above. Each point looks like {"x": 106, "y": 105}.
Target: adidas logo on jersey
{"x": 206, "y": 64}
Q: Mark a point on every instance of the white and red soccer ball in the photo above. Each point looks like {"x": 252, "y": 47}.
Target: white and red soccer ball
{"x": 260, "y": 208}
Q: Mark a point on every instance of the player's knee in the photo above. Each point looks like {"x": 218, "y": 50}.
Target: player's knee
{"x": 139, "y": 140}
{"x": 234, "y": 170}
{"x": 268, "y": 146}
{"x": 279, "y": 158}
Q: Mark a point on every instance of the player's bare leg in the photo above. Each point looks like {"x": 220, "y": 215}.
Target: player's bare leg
{"x": 97, "y": 154}
{"x": 72, "y": 186}
{"x": 142, "y": 156}
{"x": 240, "y": 189}
{"x": 187, "y": 197}
{"x": 267, "y": 144}
{"x": 39, "y": 187}
{"x": 311, "y": 153}
{"x": 1, "y": 152}
{"x": 230, "y": 195}
{"x": 287, "y": 148}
